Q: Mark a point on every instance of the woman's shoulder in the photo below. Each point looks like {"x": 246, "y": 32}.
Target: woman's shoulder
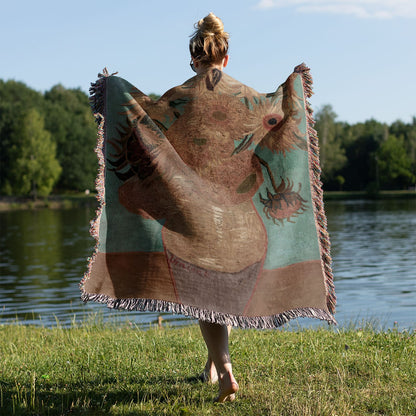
{"x": 244, "y": 90}
{"x": 211, "y": 82}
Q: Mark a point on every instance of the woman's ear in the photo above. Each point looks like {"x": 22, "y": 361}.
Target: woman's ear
{"x": 225, "y": 61}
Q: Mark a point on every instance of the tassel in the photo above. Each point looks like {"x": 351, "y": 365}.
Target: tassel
{"x": 254, "y": 322}
{"x": 317, "y": 193}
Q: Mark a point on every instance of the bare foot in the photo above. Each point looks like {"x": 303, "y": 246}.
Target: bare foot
{"x": 228, "y": 388}
{"x": 209, "y": 374}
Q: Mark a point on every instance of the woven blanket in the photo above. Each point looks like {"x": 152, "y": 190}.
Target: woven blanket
{"x": 211, "y": 202}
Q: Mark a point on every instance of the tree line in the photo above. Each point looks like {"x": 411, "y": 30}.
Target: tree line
{"x": 47, "y": 143}
{"x": 47, "y": 140}
{"x": 368, "y": 156}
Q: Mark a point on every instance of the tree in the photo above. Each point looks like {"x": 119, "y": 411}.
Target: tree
{"x": 361, "y": 142}
{"x": 332, "y": 154}
{"x": 408, "y": 133}
{"x": 394, "y": 164}
{"x": 8, "y": 114}
{"x": 154, "y": 96}
{"x": 15, "y": 99}
{"x": 71, "y": 123}
{"x": 34, "y": 168}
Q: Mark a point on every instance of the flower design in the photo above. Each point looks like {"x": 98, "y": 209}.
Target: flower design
{"x": 205, "y": 136}
{"x": 284, "y": 204}
{"x": 273, "y": 121}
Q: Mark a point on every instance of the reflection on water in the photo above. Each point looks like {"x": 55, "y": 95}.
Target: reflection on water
{"x": 374, "y": 259}
{"x": 43, "y": 257}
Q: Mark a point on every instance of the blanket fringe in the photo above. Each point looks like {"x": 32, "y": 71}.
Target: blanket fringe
{"x": 317, "y": 192}
{"x": 245, "y": 322}
{"x": 97, "y": 103}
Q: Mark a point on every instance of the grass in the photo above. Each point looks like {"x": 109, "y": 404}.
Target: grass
{"x": 104, "y": 369}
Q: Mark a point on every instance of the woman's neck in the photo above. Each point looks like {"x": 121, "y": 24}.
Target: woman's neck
{"x": 204, "y": 68}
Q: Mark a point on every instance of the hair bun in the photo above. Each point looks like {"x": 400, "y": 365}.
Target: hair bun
{"x": 211, "y": 25}
{"x": 209, "y": 42}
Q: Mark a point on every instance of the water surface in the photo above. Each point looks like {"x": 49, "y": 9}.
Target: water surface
{"x": 43, "y": 256}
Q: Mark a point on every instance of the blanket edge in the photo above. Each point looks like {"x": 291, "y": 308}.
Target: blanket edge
{"x": 316, "y": 188}
{"x": 244, "y": 322}
{"x": 98, "y": 102}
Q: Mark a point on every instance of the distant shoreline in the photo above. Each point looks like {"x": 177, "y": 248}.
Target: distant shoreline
{"x": 67, "y": 201}
{"x": 341, "y": 195}
{"x": 64, "y": 201}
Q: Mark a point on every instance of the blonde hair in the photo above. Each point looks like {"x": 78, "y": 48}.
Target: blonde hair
{"x": 209, "y": 42}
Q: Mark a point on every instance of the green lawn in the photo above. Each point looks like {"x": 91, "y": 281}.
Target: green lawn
{"x": 104, "y": 369}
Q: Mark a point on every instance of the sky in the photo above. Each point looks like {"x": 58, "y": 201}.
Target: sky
{"x": 362, "y": 53}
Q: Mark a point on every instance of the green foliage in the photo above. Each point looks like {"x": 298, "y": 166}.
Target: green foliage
{"x": 154, "y": 96}
{"x": 332, "y": 154}
{"x": 394, "y": 163}
{"x": 71, "y": 123}
{"x": 71, "y": 132}
{"x": 35, "y": 169}
{"x": 15, "y": 99}
{"x": 369, "y": 156}
{"x": 340, "y": 180}
{"x": 14, "y": 92}
{"x": 99, "y": 369}
{"x": 361, "y": 170}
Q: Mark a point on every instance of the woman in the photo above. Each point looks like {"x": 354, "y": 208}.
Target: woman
{"x": 209, "y": 50}
{"x": 194, "y": 219}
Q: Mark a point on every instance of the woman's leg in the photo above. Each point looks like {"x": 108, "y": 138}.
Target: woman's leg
{"x": 216, "y": 339}
{"x": 209, "y": 373}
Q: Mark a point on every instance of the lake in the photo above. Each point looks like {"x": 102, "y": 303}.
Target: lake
{"x": 43, "y": 256}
